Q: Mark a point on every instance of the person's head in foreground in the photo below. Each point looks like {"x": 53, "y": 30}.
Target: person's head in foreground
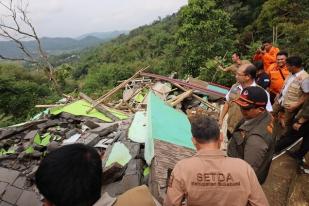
{"x": 252, "y": 101}
{"x": 294, "y": 64}
{"x": 70, "y": 176}
{"x": 205, "y": 131}
{"x": 210, "y": 177}
{"x": 246, "y": 74}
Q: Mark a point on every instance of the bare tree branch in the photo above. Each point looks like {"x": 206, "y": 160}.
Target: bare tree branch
{"x": 19, "y": 43}
{"x": 7, "y": 7}
{"x": 16, "y": 59}
{"x": 17, "y": 30}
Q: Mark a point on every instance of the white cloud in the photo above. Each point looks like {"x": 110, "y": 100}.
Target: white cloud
{"x": 76, "y": 17}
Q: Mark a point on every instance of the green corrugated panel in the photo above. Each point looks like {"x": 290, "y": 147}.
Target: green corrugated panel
{"x": 80, "y": 107}
{"x": 166, "y": 124}
{"x": 120, "y": 154}
{"x": 138, "y": 129}
{"x": 217, "y": 89}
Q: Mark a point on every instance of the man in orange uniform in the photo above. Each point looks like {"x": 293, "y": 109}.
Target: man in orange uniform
{"x": 269, "y": 54}
{"x": 278, "y": 72}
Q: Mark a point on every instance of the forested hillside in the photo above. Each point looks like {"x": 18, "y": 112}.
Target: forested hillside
{"x": 57, "y": 45}
{"x": 189, "y": 42}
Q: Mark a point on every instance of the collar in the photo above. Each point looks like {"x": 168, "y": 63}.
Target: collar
{"x": 251, "y": 123}
{"x": 252, "y": 85}
{"x": 205, "y": 152}
{"x": 105, "y": 200}
{"x": 298, "y": 73}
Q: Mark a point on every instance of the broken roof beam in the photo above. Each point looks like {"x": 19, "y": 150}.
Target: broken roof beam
{"x": 99, "y": 107}
{"x": 48, "y": 105}
{"x": 179, "y": 83}
{"x": 198, "y": 98}
{"x": 114, "y": 90}
{"x": 180, "y": 98}
{"x": 189, "y": 85}
{"x": 140, "y": 80}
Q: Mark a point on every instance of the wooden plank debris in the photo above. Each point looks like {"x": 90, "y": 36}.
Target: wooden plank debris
{"x": 98, "y": 107}
{"x": 48, "y": 105}
{"x": 189, "y": 85}
{"x": 114, "y": 90}
{"x": 198, "y": 98}
{"x": 180, "y": 98}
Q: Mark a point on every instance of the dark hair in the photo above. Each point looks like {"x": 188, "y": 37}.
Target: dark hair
{"x": 251, "y": 71}
{"x": 294, "y": 61}
{"x": 266, "y": 41}
{"x": 237, "y": 53}
{"x": 204, "y": 128}
{"x": 71, "y": 176}
{"x": 284, "y": 53}
{"x": 259, "y": 65}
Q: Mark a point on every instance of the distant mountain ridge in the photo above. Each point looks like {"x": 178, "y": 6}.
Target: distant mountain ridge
{"x": 59, "y": 45}
{"x": 103, "y": 35}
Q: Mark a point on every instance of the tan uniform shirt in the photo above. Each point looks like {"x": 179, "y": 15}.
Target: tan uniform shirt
{"x": 137, "y": 196}
{"x": 233, "y": 68}
{"x": 211, "y": 178}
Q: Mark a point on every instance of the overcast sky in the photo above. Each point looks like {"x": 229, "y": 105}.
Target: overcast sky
{"x": 72, "y": 18}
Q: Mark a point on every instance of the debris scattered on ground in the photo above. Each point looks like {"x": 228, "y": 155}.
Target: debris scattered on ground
{"x": 139, "y": 137}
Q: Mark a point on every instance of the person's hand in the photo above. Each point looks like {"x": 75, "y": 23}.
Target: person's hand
{"x": 296, "y": 126}
{"x": 282, "y": 122}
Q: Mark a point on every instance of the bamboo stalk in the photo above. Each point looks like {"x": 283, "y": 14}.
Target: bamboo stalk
{"x": 114, "y": 90}
{"x": 197, "y": 97}
{"x": 99, "y": 107}
{"x": 181, "y": 97}
{"x": 48, "y": 105}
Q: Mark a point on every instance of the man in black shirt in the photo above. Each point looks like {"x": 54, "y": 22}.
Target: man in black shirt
{"x": 262, "y": 79}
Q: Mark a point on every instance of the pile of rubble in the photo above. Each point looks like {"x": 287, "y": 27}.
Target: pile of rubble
{"x": 140, "y": 137}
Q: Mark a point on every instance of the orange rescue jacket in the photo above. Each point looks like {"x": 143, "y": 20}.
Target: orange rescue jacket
{"x": 270, "y": 58}
{"x": 276, "y": 78}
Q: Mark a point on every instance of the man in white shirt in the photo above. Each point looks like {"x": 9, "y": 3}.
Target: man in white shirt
{"x": 245, "y": 77}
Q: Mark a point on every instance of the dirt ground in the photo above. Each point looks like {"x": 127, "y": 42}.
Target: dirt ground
{"x": 286, "y": 185}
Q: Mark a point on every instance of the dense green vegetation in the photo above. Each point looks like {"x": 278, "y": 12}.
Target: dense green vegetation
{"x": 189, "y": 42}
{"x": 20, "y": 90}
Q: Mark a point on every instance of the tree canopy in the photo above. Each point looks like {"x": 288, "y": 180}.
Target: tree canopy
{"x": 189, "y": 42}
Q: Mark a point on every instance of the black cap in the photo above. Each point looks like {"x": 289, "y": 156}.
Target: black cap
{"x": 252, "y": 96}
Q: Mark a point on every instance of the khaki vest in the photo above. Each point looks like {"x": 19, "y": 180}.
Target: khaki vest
{"x": 294, "y": 91}
{"x": 234, "y": 110}
{"x": 263, "y": 129}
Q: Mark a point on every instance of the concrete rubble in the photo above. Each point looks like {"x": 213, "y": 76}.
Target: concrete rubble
{"x": 23, "y": 146}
